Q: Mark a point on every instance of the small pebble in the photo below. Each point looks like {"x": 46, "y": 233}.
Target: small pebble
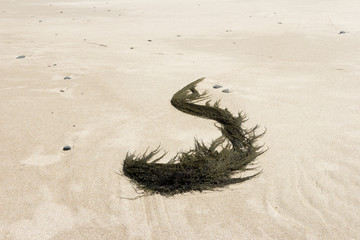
{"x": 62, "y": 90}
{"x": 217, "y": 86}
{"x": 226, "y": 91}
{"x": 342, "y": 32}
{"x": 67, "y": 148}
{"x": 178, "y": 35}
{"x": 149, "y": 40}
{"x": 54, "y": 64}
{"x": 131, "y": 48}
{"x": 22, "y": 56}
{"x": 67, "y": 78}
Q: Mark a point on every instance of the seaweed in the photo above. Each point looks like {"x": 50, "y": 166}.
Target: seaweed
{"x": 205, "y": 167}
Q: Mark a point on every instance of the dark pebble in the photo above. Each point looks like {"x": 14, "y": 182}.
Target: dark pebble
{"x": 67, "y": 148}
{"x": 149, "y": 40}
{"x": 217, "y": 86}
{"x": 226, "y": 91}
{"x": 67, "y": 78}
{"x": 62, "y": 91}
{"x": 22, "y": 56}
{"x": 342, "y": 32}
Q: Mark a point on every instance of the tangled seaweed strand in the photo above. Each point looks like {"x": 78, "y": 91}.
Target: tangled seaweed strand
{"x": 204, "y": 167}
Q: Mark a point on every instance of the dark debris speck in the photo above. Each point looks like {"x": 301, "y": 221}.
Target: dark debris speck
{"x": 66, "y": 148}
{"x": 226, "y": 91}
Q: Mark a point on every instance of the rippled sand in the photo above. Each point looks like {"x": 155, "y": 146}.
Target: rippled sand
{"x": 285, "y": 64}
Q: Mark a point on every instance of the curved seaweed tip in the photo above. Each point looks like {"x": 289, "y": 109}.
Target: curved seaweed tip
{"x": 205, "y": 167}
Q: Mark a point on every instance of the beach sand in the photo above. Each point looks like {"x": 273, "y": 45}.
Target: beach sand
{"x": 284, "y": 62}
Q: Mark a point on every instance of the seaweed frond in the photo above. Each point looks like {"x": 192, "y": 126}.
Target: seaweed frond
{"x": 204, "y": 167}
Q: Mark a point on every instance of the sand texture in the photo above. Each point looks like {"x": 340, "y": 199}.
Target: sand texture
{"x": 285, "y": 63}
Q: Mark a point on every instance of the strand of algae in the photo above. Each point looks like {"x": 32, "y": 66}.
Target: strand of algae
{"x": 204, "y": 167}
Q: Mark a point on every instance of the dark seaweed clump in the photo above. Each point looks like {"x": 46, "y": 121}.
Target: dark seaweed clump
{"x": 204, "y": 167}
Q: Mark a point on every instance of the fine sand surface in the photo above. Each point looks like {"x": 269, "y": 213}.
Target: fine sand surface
{"x": 286, "y": 66}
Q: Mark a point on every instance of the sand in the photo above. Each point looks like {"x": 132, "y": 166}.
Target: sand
{"x": 284, "y": 62}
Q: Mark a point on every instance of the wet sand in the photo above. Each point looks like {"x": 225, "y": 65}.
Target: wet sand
{"x": 285, "y": 65}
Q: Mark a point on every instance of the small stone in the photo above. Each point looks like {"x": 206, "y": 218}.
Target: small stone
{"x": 62, "y": 90}
{"x": 217, "y": 86}
{"x": 131, "y": 48}
{"x": 67, "y": 78}
{"x": 226, "y": 91}
{"x": 279, "y": 22}
{"x": 54, "y": 64}
{"x": 149, "y": 40}
{"x": 67, "y": 148}
{"x": 178, "y": 35}
{"x": 22, "y": 56}
{"x": 342, "y": 32}
{"x": 40, "y": 20}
